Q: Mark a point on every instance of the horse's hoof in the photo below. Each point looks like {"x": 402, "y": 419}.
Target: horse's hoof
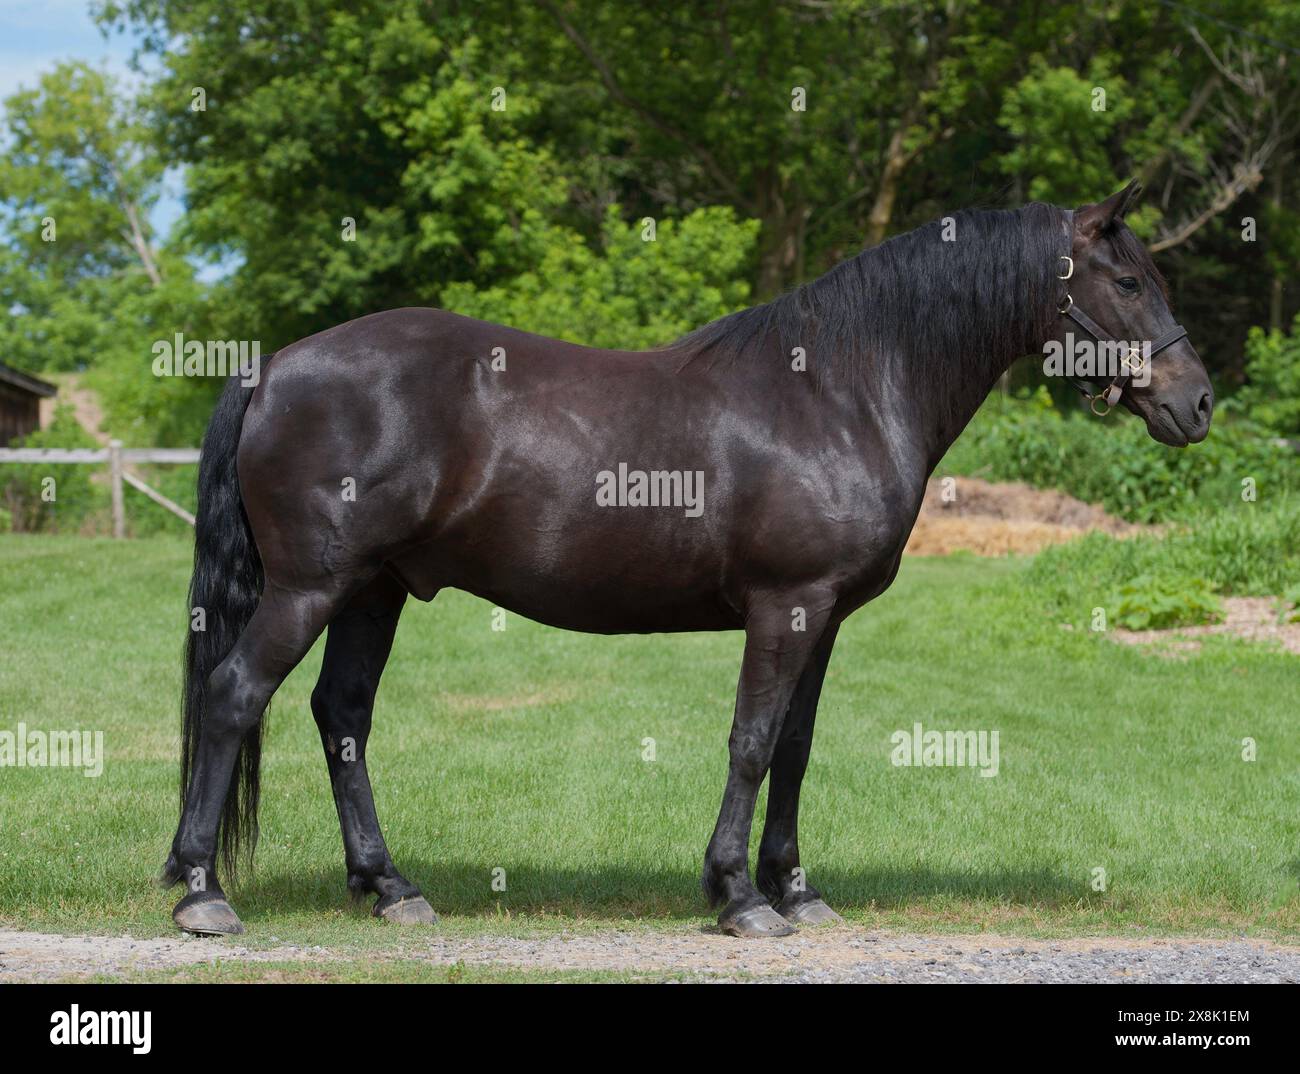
{"x": 807, "y": 912}
{"x": 206, "y": 913}
{"x": 407, "y": 910}
{"x": 755, "y": 922}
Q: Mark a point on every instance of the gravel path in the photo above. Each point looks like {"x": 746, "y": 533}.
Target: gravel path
{"x": 844, "y": 953}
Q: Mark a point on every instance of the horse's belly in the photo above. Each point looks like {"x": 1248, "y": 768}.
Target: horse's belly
{"x": 603, "y": 594}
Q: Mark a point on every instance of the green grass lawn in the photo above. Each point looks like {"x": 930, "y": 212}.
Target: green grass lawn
{"x": 522, "y": 750}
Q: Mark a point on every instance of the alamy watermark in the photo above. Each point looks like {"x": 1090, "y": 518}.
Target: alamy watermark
{"x": 945, "y": 749}
{"x": 25, "y": 747}
{"x": 114, "y": 1028}
{"x": 181, "y": 357}
{"x": 651, "y": 488}
{"x": 1086, "y": 359}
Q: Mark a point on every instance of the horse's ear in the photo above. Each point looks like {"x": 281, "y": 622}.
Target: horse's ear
{"x": 1093, "y": 220}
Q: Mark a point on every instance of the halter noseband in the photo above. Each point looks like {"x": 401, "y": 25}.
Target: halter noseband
{"x": 1130, "y": 365}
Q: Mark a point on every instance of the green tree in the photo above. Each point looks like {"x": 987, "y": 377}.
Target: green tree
{"x": 81, "y": 272}
{"x": 636, "y": 292}
{"x": 347, "y": 158}
{"x": 1207, "y": 120}
{"x": 467, "y": 142}
{"x": 76, "y": 187}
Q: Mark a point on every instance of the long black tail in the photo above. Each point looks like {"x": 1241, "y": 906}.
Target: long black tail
{"x": 226, "y": 584}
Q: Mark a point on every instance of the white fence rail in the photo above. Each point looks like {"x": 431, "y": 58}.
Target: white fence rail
{"x": 117, "y": 457}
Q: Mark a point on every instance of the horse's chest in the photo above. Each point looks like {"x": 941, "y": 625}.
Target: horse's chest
{"x": 868, "y": 546}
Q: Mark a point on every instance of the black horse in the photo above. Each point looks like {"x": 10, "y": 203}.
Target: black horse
{"x": 414, "y": 450}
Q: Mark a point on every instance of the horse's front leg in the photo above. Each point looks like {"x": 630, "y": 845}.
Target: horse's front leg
{"x": 780, "y": 876}
{"x": 781, "y": 636}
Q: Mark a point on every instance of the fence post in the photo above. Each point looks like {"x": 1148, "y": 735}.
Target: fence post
{"x": 115, "y": 479}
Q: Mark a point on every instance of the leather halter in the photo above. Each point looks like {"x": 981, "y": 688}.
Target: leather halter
{"x": 1130, "y": 365}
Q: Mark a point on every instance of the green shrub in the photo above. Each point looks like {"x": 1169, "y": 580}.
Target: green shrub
{"x": 1272, "y": 396}
{"x": 1251, "y": 549}
{"x": 51, "y": 498}
{"x": 80, "y": 502}
{"x": 1152, "y": 603}
{"x": 178, "y": 483}
{"x": 1116, "y": 464}
{"x": 1289, "y": 605}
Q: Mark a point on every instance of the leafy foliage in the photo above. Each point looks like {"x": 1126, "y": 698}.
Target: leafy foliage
{"x": 1252, "y": 550}
{"x": 50, "y": 499}
{"x": 1154, "y": 603}
{"x": 497, "y": 159}
{"x": 81, "y": 267}
{"x": 1272, "y": 397}
{"x": 636, "y": 293}
{"x": 459, "y": 138}
{"x": 1116, "y": 464}
{"x": 1289, "y": 605}
{"x": 348, "y": 158}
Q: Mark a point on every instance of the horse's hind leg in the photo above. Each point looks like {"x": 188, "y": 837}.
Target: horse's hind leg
{"x": 278, "y": 636}
{"x": 356, "y": 649}
{"x": 780, "y": 875}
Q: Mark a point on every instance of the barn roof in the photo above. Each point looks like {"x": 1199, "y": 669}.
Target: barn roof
{"x": 25, "y": 381}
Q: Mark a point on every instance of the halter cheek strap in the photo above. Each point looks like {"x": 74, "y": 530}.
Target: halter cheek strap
{"x": 1131, "y": 364}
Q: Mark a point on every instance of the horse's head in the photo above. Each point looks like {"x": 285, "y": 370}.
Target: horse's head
{"x": 1117, "y": 294}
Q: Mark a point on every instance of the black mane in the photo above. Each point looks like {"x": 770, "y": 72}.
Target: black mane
{"x": 918, "y": 303}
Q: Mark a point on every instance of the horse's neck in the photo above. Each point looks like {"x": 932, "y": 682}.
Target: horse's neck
{"x": 903, "y": 403}
{"x": 941, "y": 415}
{"x": 976, "y": 350}
{"x": 910, "y": 404}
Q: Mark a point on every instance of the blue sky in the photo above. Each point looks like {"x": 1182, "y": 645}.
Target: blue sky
{"x": 37, "y": 34}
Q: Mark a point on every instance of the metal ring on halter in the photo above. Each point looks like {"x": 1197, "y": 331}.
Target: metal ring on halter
{"x": 1069, "y": 304}
{"x": 1065, "y": 257}
{"x": 1092, "y": 403}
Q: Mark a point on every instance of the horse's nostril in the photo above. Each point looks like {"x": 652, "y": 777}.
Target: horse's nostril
{"x": 1206, "y": 404}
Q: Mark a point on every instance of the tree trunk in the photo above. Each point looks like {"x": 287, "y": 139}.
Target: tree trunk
{"x": 882, "y": 209}
{"x": 1275, "y": 292}
{"x": 781, "y": 254}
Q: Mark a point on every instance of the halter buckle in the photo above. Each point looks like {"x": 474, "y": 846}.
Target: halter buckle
{"x": 1070, "y": 271}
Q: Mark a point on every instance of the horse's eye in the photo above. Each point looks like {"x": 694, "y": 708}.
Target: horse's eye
{"x": 1128, "y": 285}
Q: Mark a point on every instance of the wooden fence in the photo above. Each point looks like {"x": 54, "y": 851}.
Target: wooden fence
{"x": 117, "y": 457}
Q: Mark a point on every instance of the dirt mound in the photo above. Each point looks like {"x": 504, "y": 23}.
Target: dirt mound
{"x": 998, "y": 518}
